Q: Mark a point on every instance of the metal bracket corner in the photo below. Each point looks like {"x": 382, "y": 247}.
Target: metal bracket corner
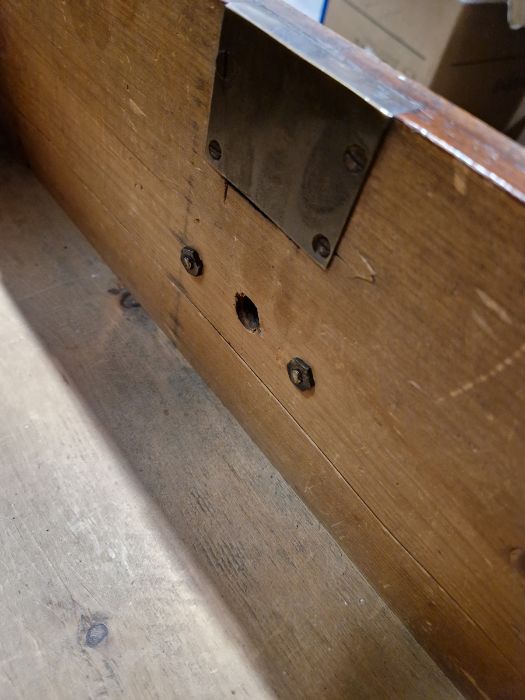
{"x": 291, "y": 126}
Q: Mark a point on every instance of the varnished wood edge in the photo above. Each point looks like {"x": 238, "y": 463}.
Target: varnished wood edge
{"x": 489, "y": 153}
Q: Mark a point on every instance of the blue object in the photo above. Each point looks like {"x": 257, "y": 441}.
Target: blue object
{"x": 315, "y": 9}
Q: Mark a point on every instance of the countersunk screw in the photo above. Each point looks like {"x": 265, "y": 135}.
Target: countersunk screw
{"x": 300, "y": 374}
{"x": 215, "y": 150}
{"x": 321, "y": 246}
{"x": 355, "y": 158}
{"x": 191, "y": 261}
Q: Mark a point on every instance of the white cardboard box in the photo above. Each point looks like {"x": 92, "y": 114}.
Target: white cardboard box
{"x": 465, "y": 51}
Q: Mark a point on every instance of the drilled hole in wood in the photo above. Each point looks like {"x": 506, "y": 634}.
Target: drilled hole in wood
{"x": 247, "y": 312}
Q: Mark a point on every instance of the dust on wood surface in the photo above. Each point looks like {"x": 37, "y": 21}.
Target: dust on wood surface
{"x": 149, "y": 549}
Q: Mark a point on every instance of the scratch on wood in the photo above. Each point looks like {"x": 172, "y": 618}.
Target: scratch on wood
{"x": 136, "y": 109}
{"x": 177, "y": 284}
{"x": 482, "y": 378}
{"x": 189, "y": 203}
{"x": 493, "y": 305}
{"x": 371, "y": 273}
{"x": 480, "y": 321}
{"x": 459, "y": 180}
{"x": 413, "y": 383}
{"x": 473, "y": 681}
{"x": 360, "y": 266}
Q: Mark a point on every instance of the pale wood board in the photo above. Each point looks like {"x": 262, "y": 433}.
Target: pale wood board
{"x": 410, "y": 448}
{"x": 130, "y": 497}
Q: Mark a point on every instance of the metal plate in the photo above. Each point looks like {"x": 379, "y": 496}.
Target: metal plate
{"x": 291, "y": 137}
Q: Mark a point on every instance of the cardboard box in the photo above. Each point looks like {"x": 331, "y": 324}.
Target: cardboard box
{"x": 313, "y": 8}
{"x": 465, "y": 51}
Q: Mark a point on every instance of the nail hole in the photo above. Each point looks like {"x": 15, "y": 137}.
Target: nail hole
{"x": 247, "y": 312}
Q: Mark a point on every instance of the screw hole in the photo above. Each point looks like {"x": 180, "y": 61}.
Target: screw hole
{"x": 215, "y": 150}
{"x": 247, "y": 312}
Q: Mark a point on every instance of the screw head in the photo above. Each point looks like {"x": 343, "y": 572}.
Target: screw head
{"x": 300, "y": 374}
{"x": 215, "y": 150}
{"x": 355, "y": 158}
{"x": 295, "y": 376}
{"x": 321, "y": 246}
{"x": 191, "y": 261}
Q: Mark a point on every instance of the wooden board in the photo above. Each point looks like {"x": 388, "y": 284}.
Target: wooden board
{"x": 410, "y": 449}
{"x": 132, "y": 499}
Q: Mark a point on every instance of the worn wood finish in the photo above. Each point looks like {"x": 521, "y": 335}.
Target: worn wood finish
{"x": 410, "y": 448}
{"x": 132, "y": 499}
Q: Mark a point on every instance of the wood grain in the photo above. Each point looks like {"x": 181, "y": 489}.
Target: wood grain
{"x": 132, "y": 499}
{"x": 416, "y": 333}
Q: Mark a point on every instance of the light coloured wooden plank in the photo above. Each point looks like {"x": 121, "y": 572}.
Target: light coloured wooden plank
{"x": 132, "y": 499}
{"x": 414, "y": 309}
